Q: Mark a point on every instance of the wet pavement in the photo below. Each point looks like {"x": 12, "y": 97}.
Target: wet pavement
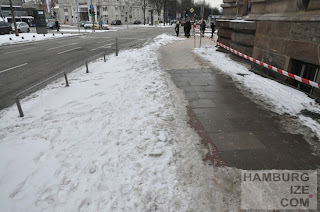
{"x": 245, "y": 134}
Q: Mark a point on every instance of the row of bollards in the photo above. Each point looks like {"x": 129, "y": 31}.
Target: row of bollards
{"x": 35, "y": 86}
{"x": 104, "y": 56}
{"x": 47, "y": 80}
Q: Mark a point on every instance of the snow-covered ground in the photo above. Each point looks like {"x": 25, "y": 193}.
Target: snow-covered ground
{"x": 28, "y": 37}
{"x": 117, "y": 139}
{"x": 275, "y": 96}
{"x": 154, "y": 25}
{"x": 84, "y": 30}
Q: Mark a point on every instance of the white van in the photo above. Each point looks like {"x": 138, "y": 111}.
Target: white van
{"x": 27, "y": 19}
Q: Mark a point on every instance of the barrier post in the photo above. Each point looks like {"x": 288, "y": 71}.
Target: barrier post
{"x": 66, "y": 78}
{"x": 116, "y": 46}
{"x": 87, "y": 68}
{"x": 200, "y": 39}
{"x": 104, "y": 56}
{"x": 19, "y": 106}
{"x": 194, "y": 35}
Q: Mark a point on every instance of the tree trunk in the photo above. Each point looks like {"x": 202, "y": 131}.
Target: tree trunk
{"x": 13, "y": 19}
{"x": 164, "y": 12}
{"x": 144, "y": 12}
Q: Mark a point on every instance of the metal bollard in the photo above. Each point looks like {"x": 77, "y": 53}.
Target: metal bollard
{"x": 116, "y": 46}
{"x": 66, "y": 78}
{"x": 35, "y": 86}
{"x": 104, "y": 57}
{"x": 19, "y": 106}
{"x": 200, "y": 39}
{"x": 87, "y": 69}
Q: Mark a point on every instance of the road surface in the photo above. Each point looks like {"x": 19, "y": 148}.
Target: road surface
{"x": 23, "y": 65}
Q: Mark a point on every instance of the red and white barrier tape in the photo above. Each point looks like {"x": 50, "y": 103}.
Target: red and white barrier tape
{"x": 270, "y": 67}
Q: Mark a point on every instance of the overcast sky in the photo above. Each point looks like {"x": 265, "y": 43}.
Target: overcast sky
{"x": 214, "y": 3}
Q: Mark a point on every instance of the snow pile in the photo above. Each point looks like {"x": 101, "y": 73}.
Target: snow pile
{"x": 28, "y": 37}
{"x": 277, "y": 97}
{"x": 117, "y": 139}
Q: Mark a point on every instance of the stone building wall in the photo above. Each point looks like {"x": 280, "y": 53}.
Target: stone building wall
{"x": 224, "y": 32}
{"x": 242, "y": 36}
{"x": 287, "y": 35}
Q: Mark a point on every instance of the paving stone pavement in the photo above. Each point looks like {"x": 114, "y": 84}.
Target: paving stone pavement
{"x": 246, "y": 135}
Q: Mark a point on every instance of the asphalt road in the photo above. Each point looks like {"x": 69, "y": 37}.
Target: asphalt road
{"x": 24, "y": 65}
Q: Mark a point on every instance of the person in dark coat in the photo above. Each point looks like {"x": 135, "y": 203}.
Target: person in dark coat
{"x": 177, "y": 28}
{"x": 188, "y": 28}
{"x": 203, "y": 27}
{"x": 57, "y": 25}
{"x": 213, "y": 28}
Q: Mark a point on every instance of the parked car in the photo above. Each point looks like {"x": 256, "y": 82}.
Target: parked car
{"x": 105, "y": 26}
{"x": 5, "y": 28}
{"x": 27, "y": 19}
{"x": 137, "y": 22}
{"x": 116, "y": 22}
{"x": 21, "y": 26}
{"x": 51, "y": 25}
{"x": 49, "y": 20}
{"x": 81, "y": 23}
{"x": 88, "y": 25}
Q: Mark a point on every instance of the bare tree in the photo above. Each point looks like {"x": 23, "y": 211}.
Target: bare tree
{"x": 157, "y": 5}
{"x": 13, "y": 19}
{"x": 143, "y": 4}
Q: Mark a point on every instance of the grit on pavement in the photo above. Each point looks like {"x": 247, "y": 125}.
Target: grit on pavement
{"x": 246, "y": 135}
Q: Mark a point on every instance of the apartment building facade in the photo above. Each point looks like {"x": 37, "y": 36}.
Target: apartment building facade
{"x": 106, "y": 10}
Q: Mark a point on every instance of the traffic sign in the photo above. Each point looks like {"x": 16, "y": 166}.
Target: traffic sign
{"x": 191, "y": 10}
{"x": 91, "y": 6}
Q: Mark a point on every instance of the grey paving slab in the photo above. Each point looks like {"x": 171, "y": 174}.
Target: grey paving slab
{"x": 182, "y": 84}
{"x": 236, "y": 141}
{"x": 201, "y": 103}
{"x": 197, "y": 88}
{"x": 219, "y": 125}
{"x": 191, "y": 95}
{"x": 187, "y": 89}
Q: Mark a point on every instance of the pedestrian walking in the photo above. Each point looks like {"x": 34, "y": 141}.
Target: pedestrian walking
{"x": 177, "y": 28}
{"x": 57, "y": 25}
{"x": 101, "y": 24}
{"x": 188, "y": 28}
{"x": 203, "y": 27}
{"x": 213, "y": 28}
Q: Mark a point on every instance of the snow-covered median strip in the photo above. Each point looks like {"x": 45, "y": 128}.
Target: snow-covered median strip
{"x": 117, "y": 139}
{"x": 28, "y": 37}
{"x": 276, "y": 96}
{"x": 86, "y": 30}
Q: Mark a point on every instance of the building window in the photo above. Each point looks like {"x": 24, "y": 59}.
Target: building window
{"x": 306, "y": 70}
{"x": 65, "y": 10}
{"x": 105, "y": 8}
